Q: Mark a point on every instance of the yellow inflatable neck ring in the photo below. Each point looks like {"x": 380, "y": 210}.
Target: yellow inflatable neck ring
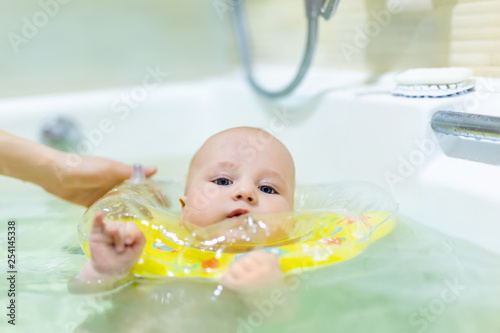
{"x": 332, "y": 222}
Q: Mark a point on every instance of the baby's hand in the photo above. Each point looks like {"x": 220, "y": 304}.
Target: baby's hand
{"x": 253, "y": 269}
{"x": 114, "y": 246}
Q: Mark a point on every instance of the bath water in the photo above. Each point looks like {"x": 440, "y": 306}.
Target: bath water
{"x": 413, "y": 280}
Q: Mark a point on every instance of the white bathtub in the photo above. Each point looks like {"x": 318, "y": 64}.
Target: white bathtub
{"x": 337, "y": 127}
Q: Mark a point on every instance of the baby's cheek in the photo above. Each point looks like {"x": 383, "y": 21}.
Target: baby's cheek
{"x": 200, "y": 218}
{"x": 196, "y": 206}
{"x": 288, "y": 203}
{"x": 281, "y": 204}
{"x": 191, "y": 214}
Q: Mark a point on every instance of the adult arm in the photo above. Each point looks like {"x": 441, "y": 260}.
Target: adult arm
{"x": 77, "y": 179}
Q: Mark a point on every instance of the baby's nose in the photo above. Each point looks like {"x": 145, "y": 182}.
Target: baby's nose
{"x": 246, "y": 195}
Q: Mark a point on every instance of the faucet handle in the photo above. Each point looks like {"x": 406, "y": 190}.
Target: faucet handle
{"x": 60, "y": 132}
{"x": 325, "y": 8}
{"x": 328, "y": 8}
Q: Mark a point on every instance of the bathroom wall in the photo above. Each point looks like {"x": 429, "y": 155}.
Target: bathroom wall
{"x": 49, "y": 46}
{"x": 382, "y": 35}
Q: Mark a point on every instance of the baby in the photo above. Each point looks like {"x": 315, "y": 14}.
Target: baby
{"x": 245, "y": 170}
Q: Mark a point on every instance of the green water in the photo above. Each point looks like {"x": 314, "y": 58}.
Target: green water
{"x": 414, "y": 280}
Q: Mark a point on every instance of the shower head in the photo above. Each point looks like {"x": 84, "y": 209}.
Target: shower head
{"x": 325, "y": 8}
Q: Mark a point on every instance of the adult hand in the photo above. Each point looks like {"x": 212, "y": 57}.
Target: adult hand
{"x": 78, "y": 179}
{"x": 88, "y": 179}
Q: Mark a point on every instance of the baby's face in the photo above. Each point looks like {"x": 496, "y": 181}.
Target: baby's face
{"x": 236, "y": 172}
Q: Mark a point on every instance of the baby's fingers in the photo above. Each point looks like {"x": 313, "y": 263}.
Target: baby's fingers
{"x": 116, "y": 230}
{"x": 231, "y": 279}
{"x": 133, "y": 234}
{"x": 98, "y": 224}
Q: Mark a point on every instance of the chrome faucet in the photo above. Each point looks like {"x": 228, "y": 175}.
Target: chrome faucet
{"x": 479, "y": 127}
{"x": 60, "y": 132}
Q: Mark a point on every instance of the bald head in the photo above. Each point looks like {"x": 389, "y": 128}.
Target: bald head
{"x": 246, "y": 144}
{"x": 244, "y": 159}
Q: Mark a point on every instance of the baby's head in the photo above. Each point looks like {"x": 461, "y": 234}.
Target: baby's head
{"x": 238, "y": 171}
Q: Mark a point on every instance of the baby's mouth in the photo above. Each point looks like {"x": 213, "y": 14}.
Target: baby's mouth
{"x": 237, "y": 212}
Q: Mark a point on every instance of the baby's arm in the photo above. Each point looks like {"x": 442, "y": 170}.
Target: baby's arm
{"x": 114, "y": 247}
{"x": 253, "y": 271}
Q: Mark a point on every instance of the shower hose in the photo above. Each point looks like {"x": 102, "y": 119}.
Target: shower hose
{"x": 313, "y": 11}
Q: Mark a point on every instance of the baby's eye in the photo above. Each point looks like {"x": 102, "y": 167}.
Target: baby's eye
{"x": 223, "y": 181}
{"x": 267, "y": 189}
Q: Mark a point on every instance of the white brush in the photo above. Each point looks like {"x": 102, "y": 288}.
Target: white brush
{"x": 433, "y": 82}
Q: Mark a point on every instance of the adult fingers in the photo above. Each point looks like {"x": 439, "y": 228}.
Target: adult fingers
{"x": 149, "y": 171}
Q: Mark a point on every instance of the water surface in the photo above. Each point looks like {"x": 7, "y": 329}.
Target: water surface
{"x": 413, "y": 280}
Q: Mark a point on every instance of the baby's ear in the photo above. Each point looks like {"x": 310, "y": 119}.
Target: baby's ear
{"x": 183, "y": 204}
